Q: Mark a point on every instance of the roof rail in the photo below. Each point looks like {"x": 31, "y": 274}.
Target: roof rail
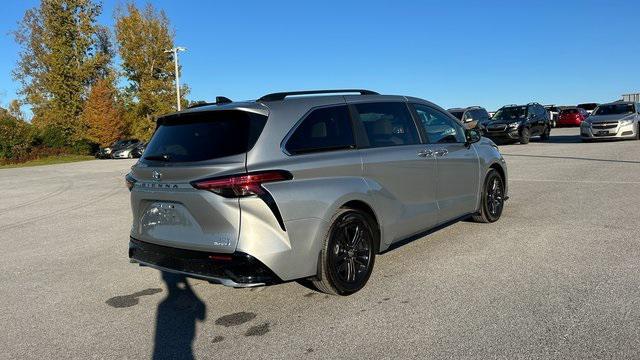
{"x": 219, "y": 101}
{"x": 281, "y": 95}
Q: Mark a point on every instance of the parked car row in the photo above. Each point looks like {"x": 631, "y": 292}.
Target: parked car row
{"x": 122, "y": 149}
{"x": 518, "y": 123}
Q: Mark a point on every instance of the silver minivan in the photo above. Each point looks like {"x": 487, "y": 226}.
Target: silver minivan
{"x": 305, "y": 185}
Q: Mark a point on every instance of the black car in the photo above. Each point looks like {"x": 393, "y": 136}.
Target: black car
{"x": 138, "y": 150}
{"x": 473, "y": 117}
{"x": 107, "y": 152}
{"x": 588, "y": 106}
{"x": 519, "y": 123}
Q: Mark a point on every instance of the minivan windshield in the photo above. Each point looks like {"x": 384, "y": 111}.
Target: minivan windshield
{"x": 510, "y": 113}
{"x": 614, "y": 109}
{"x": 204, "y": 135}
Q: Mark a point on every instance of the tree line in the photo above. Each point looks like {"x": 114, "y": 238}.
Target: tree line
{"x": 79, "y": 95}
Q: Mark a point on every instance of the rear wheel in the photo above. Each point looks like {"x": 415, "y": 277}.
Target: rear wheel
{"x": 492, "y": 201}
{"x": 348, "y": 253}
{"x": 546, "y": 134}
{"x": 525, "y": 135}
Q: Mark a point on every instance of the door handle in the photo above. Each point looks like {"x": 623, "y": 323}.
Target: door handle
{"x": 425, "y": 153}
{"x": 441, "y": 152}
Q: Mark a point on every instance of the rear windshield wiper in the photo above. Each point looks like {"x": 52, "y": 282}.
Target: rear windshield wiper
{"x": 162, "y": 157}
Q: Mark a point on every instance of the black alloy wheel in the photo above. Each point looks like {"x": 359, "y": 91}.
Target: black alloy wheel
{"x": 546, "y": 134}
{"x": 348, "y": 254}
{"x": 492, "y": 198}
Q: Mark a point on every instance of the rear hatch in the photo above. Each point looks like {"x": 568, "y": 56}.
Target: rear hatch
{"x": 187, "y": 147}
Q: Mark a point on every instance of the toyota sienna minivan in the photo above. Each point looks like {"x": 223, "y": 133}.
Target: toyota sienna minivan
{"x": 304, "y": 186}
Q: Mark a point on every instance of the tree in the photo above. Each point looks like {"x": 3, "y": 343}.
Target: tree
{"x": 102, "y": 116}
{"x": 63, "y": 52}
{"x": 142, "y": 36}
{"x": 14, "y": 110}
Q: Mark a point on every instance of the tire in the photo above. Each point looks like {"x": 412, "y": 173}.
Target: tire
{"x": 492, "y": 202}
{"x": 638, "y": 132}
{"x": 546, "y": 134}
{"x": 346, "y": 260}
{"x": 525, "y": 135}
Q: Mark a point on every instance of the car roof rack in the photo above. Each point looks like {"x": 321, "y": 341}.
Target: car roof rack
{"x": 220, "y": 100}
{"x": 281, "y": 95}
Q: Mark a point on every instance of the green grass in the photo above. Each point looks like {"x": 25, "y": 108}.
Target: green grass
{"x": 50, "y": 160}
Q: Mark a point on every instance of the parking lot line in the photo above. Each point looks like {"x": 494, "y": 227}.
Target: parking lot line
{"x": 579, "y": 181}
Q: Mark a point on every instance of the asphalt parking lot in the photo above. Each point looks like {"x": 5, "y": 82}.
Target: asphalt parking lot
{"x": 557, "y": 277}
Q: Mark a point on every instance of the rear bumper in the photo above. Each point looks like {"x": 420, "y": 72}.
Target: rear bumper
{"x": 235, "y": 270}
{"x": 568, "y": 122}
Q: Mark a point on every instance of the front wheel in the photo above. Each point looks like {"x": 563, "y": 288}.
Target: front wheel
{"x": 348, "y": 253}
{"x": 492, "y": 201}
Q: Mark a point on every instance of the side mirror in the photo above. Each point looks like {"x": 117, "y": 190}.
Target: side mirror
{"x": 473, "y": 136}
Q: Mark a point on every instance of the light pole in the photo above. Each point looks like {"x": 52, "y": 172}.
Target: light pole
{"x": 175, "y": 51}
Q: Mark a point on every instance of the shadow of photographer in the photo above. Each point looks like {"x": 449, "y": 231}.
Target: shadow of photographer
{"x": 176, "y": 319}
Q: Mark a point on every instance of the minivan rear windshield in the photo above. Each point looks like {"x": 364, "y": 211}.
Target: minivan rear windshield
{"x": 204, "y": 135}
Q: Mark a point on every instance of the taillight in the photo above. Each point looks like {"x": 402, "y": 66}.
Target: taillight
{"x": 129, "y": 181}
{"x": 241, "y": 185}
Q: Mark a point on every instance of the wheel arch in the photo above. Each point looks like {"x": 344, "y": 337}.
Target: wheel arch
{"x": 367, "y": 209}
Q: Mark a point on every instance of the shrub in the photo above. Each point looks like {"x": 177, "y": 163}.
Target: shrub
{"x": 16, "y": 138}
{"x": 53, "y": 137}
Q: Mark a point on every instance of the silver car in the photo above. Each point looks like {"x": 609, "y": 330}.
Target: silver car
{"x": 616, "y": 120}
{"x": 293, "y": 187}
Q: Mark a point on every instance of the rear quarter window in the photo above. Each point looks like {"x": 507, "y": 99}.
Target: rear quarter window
{"x": 204, "y": 135}
{"x": 323, "y": 129}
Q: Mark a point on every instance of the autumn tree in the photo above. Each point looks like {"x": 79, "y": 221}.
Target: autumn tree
{"x": 102, "y": 116}
{"x": 63, "y": 52}
{"x": 143, "y": 35}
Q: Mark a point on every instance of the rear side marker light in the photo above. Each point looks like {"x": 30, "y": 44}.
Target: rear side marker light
{"x": 242, "y": 185}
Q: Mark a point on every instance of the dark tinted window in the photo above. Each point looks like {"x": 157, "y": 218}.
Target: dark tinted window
{"x": 569, "y": 111}
{"x": 439, "y": 127}
{"x": 510, "y": 113}
{"x": 204, "y": 135}
{"x": 322, "y": 130}
{"x": 457, "y": 114}
{"x": 387, "y": 124}
{"x": 482, "y": 115}
{"x": 588, "y": 106}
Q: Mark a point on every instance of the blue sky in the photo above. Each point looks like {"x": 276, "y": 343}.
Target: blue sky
{"x": 454, "y": 53}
